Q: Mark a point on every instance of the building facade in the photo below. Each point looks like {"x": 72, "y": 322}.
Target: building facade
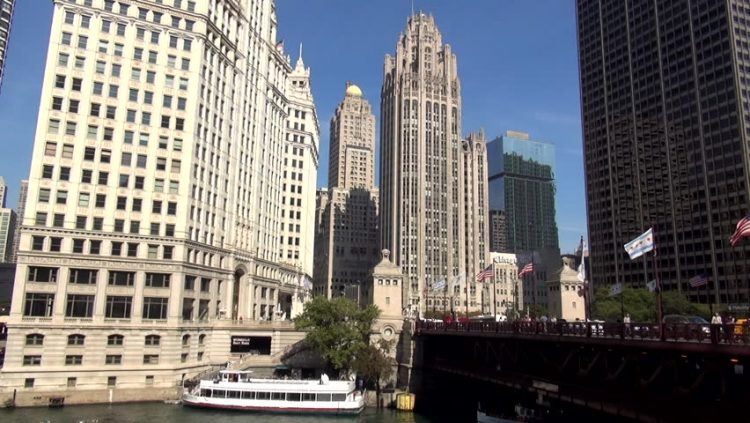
{"x": 151, "y": 232}
{"x": 20, "y": 207}
{"x": 666, "y": 112}
{"x": 565, "y": 299}
{"x": 6, "y": 19}
{"x": 434, "y": 215}
{"x": 502, "y": 295}
{"x": 348, "y": 242}
{"x": 301, "y": 143}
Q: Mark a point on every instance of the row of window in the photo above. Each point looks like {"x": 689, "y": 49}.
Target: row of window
{"x": 117, "y": 249}
{"x": 82, "y": 306}
{"x": 273, "y": 396}
{"x": 109, "y": 359}
{"x": 115, "y": 340}
{"x": 127, "y": 159}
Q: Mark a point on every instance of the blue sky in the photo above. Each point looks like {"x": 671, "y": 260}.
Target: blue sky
{"x": 517, "y": 63}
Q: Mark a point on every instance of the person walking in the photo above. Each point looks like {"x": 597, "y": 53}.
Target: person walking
{"x": 626, "y": 323}
{"x": 715, "y": 327}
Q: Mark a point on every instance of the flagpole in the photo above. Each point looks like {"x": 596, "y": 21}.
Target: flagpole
{"x": 494, "y": 293}
{"x": 660, "y": 308}
{"x": 466, "y": 305}
{"x": 533, "y": 283}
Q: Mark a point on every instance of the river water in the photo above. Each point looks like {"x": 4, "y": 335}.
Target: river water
{"x": 169, "y": 413}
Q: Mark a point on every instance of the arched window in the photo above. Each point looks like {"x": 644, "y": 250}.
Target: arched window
{"x": 76, "y": 339}
{"x": 115, "y": 340}
{"x": 185, "y": 340}
{"x": 35, "y": 339}
{"x": 201, "y": 339}
{"x": 153, "y": 340}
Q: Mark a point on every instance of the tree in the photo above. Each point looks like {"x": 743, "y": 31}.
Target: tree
{"x": 641, "y": 305}
{"x": 337, "y": 329}
{"x": 374, "y": 363}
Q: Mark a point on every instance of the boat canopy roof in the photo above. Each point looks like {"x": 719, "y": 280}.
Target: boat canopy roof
{"x": 235, "y": 372}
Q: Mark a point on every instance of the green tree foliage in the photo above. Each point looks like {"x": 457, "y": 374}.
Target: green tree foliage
{"x": 374, "y": 363}
{"x": 642, "y": 305}
{"x": 337, "y": 329}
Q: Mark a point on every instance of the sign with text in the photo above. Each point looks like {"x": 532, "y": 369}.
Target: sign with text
{"x": 251, "y": 344}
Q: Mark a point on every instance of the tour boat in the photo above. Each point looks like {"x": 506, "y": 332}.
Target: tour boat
{"x": 238, "y": 391}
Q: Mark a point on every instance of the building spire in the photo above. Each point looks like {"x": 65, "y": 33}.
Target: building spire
{"x": 300, "y": 63}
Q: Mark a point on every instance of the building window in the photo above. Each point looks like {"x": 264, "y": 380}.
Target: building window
{"x": 152, "y": 340}
{"x": 121, "y": 278}
{"x": 183, "y": 357}
{"x": 80, "y": 305}
{"x": 155, "y": 307}
{"x": 151, "y": 359}
{"x": 115, "y": 340}
{"x": 118, "y": 307}
{"x": 71, "y": 382}
{"x": 112, "y": 381}
{"x": 76, "y": 339}
{"x": 32, "y": 360}
{"x": 73, "y": 360}
{"x": 83, "y": 276}
{"x": 113, "y": 359}
{"x": 42, "y": 274}
{"x": 38, "y": 304}
{"x": 37, "y": 242}
{"x": 157, "y": 280}
{"x": 35, "y": 339}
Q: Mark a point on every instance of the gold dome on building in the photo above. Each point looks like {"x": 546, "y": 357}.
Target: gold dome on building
{"x": 353, "y": 90}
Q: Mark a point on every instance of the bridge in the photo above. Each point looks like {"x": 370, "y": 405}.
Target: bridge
{"x": 640, "y": 371}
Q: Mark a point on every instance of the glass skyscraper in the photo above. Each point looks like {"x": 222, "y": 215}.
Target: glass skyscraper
{"x": 522, "y": 183}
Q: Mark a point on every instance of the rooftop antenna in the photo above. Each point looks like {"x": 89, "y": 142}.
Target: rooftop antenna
{"x": 300, "y": 50}
{"x": 412, "y": 7}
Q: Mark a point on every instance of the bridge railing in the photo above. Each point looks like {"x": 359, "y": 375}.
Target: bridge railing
{"x": 693, "y": 332}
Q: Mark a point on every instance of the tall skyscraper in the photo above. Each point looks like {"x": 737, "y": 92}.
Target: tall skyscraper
{"x": 301, "y": 144}
{"x": 347, "y": 247}
{"x": 433, "y": 183}
{"x": 522, "y": 184}
{"x": 666, "y": 112}
{"x": 155, "y": 201}
{"x": 20, "y": 207}
{"x": 6, "y": 19}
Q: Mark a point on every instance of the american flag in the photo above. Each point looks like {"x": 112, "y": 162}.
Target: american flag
{"x": 485, "y": 274}
{"x": 698, "y": 280}
{"x": 743, "y": 230}
{"x": 528, "y": 269}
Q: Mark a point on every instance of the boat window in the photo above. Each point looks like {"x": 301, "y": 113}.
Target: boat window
{"x": 293, "y": 396}
{"x": 324, "y": 397}
{"x": 277, "y": 396}
{"x": 248, "y": 395}
{"x": 308, "y": 397}
{"x": 339, "y": 397}
{"x": 262, "y": 395}
{"x": 233, "y": 377}
{"x": 218, "y": 393}
{"x": 233, "y": 394}
{"x": 244, "y": 377}
{"x": 206, "y": 393}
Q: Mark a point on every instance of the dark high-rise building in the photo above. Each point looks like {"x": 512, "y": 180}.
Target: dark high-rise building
{"x": 498, "y": 232}
{"x": 666, "y": 115}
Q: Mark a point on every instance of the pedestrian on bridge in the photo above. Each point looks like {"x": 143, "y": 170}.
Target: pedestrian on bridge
{"x": 715, "y": 327}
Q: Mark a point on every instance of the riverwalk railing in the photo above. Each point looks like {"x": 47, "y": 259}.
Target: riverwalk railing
{"x": 736, "y": 334}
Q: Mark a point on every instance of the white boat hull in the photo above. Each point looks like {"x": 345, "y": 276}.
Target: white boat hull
{"x": 270, "y": 406}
